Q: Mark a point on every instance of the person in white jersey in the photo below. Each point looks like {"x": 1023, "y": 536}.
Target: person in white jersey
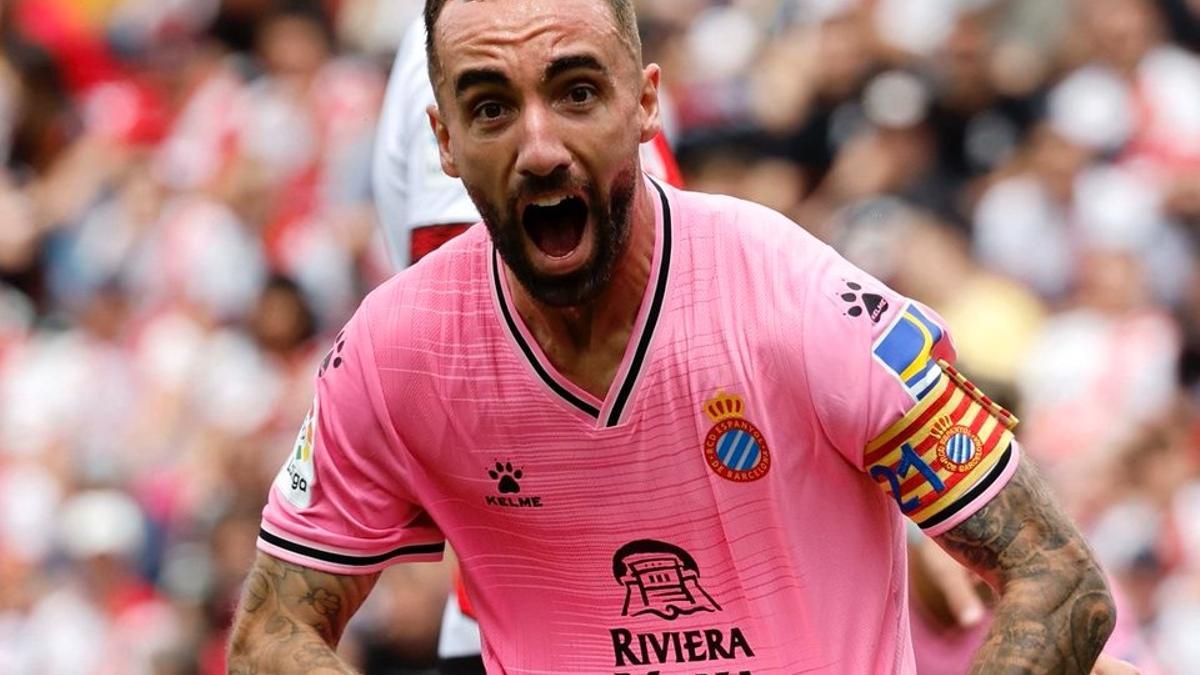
{"x": 664, "y": 431}
{"x": 419, "y": 206}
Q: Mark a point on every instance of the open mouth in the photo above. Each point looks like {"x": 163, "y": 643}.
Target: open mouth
{"x": 556, "y": 225}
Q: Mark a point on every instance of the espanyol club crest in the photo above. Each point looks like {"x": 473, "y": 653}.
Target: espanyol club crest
{"x": 958, "y": 448}
{"x": 734, "y": 448}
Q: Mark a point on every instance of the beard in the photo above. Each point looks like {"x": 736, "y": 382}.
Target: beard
{"x": 610, "y": 217}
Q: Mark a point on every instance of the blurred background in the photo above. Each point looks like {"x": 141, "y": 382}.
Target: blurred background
{"x": 186, "y": 219}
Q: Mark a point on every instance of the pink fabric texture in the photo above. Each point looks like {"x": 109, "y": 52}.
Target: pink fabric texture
{"x": 711, "y": 514}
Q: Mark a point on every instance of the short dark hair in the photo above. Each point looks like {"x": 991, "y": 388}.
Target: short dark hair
{"x": 622, "y": 11}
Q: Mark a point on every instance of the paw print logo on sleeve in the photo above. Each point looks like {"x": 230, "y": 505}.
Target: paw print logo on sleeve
{"x": 872, "y": 305}
{"x": 334, "y": 357}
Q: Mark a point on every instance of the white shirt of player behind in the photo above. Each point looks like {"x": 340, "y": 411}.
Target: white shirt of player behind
{"x": 411, "y": 191}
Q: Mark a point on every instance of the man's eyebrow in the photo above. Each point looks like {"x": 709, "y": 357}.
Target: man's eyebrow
{"x": 478, "y": 76}
{"x": 565, "y": 64}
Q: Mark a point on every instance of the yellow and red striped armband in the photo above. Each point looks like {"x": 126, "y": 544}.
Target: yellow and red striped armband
{"x": 945, "y": 453}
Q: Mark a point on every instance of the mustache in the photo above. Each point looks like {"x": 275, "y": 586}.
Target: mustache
{"x": 559, "y": 180}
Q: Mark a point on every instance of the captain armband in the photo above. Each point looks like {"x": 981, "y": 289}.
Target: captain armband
{"x": 949, "y": 450}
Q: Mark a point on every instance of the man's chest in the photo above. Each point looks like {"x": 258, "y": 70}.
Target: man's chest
{"x": 660, "y": 541}
{"x": 702, "y": 440}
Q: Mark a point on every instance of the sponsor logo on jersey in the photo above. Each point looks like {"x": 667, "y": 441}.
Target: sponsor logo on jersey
{"x": 663, "y": 580}
{"x": 298, "y": 477}
{"x": 734, "y": 448}
{"x": 508, "y": 488}
{"x": 871, "y": 305}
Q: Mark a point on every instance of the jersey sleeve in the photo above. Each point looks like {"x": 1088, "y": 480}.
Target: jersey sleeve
{"x": 879, "y": 371}
{"x": 342, "y": 503}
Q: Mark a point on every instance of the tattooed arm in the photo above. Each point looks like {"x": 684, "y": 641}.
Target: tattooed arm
{"x": 291, "y": 618}
{"x": 1055, "y": 612}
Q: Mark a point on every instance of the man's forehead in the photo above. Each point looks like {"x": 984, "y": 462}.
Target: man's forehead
{"x": 469, "y": 30}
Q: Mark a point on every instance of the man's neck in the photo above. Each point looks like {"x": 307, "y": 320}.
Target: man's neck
{"x": 586, "y": 343}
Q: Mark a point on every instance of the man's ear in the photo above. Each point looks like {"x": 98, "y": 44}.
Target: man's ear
{"x": 442, "y": 132}
{"x": 648, "y": 103}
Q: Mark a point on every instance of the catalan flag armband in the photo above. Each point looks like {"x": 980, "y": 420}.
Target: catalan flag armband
{"x": 946, "y": 452}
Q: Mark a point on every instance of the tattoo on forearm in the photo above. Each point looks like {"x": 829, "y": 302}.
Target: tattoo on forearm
{"x": 257, "y": 590}
{"x": 311, "y": 656}
{"x": 291, "y": 619}
{"x": 325, "y": 605}
{"x": 1055, "y": 612}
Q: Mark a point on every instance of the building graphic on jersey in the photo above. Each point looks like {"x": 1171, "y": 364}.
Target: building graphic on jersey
{"x": 663, "y": 580}
{"x": 734, "y": 449}
{"x": 660, "y": 579}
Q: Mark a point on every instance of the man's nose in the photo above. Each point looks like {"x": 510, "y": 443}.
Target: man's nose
{"x": 542, "y": 149}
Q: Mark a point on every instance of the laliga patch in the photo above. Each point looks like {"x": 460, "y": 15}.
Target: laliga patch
{"x": 298, "y": 477}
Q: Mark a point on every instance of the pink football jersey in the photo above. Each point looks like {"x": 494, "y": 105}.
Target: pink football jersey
{"x": 734, "y": 505}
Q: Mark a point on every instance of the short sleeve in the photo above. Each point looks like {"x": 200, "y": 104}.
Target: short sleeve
{"x": 411, "y": 190}
{"x": 879, "y": 371}
{"x": 342, "y": 503}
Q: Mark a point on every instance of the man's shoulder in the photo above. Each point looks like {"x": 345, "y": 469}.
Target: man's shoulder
{"x": 441, "y": 284}
{"x": 742, "y": 222}
{"x": 752, "y": 242}
{"x": 413, "y": 333}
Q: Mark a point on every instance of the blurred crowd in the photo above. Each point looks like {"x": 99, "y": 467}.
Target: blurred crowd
{"x": 186, "y": 219}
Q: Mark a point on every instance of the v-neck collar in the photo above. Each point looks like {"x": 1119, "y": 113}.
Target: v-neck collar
{"x": 608, "y": 412}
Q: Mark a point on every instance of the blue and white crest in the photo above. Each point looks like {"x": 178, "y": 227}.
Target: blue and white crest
{"x": 960, "y": 448}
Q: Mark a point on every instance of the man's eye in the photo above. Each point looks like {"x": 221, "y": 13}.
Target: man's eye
{"x": 581, "y": 94}
{"x": 489, "y": 111}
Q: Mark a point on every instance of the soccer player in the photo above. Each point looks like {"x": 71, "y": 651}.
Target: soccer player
{"x": 664, "y": 431}
{"x": 421, "y": 208}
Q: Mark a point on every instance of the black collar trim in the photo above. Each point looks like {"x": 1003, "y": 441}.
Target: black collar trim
{"x": 557, "y": 388}
{"x": 656, "y": 303}
{"x": 625, "y": 392}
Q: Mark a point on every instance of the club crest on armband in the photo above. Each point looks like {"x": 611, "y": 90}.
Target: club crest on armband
{"x": 734, "y": 449}
{"x": 958, "y": 448}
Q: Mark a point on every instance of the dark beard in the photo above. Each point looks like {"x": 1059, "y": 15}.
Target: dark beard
{"x": 611, "y": 235}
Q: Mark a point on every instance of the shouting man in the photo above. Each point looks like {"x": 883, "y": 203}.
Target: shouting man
{"x": 663, "y": 431}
